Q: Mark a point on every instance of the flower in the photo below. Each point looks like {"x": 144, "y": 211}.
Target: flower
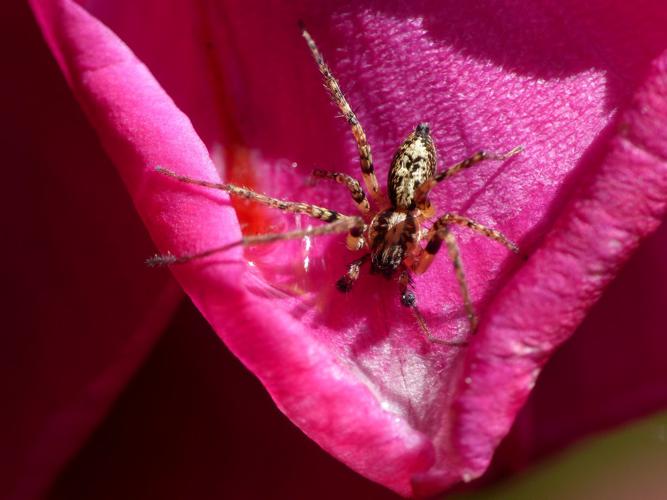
{"x": 586, "y": 104}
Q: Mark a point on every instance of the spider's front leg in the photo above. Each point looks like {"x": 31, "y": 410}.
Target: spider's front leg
{"x": 346, "y": 224}
{"x": 440, "y": 233}
{"x": 409, "y": 300}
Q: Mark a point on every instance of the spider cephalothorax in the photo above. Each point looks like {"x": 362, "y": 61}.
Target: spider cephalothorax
{"x": 391, "y": 237}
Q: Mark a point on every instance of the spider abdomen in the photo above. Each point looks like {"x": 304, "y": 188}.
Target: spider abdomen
{"x": 393, "y": 236}
{"x": 413, "y": 164}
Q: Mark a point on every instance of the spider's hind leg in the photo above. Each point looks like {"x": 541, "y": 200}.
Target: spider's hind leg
{"x": 490, "y": 233}
{"x": 365, "y": 157}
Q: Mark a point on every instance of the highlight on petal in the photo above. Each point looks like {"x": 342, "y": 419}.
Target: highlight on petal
{"x": 548, "y": 297}
{"x": 354, "y": 372}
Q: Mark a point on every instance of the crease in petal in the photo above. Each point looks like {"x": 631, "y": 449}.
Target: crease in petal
{"x": 625, "y": 201}
{"x": 363, "y": 384}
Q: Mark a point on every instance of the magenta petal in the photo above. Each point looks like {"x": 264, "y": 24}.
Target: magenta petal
{"x": 141, "y": 128}
{"x": 548, "y": 297}
{"x": 210, "y": 431}
{"x": 410, "y": 415}
{"x": 79, "y": 310}
{"x": 612, "y": 370}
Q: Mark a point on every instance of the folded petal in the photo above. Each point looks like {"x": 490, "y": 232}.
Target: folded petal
{"x": 210, "y": 430}
{"x": 353, "y": 371}
{"x": 548, "y": 297}
{"x": 612, "y": 370}
{"x": 80, "y": 311}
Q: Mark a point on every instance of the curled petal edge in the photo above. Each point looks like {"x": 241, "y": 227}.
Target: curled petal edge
{"x": 538, "y": 309}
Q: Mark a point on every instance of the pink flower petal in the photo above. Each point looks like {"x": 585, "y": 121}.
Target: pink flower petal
{"x": 195, "y": 423}
{"x": 80, "y": 311}
{"x": 548, "y": 297}
{"x": 364, "y": 384}
{"x": 612, "y": 370}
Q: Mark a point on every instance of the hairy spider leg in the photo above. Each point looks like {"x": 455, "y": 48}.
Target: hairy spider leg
{"x": 352, "y": 185}
{"x": 332, "y": 85}
{"x": 314, "y": 211}
{"x": 409, "y": 300}
{"x": 339, "y": 226}
{"x": 438, "y": 235}
{"x": 421, "y": 196}
{"x": 355, "y": 238}
{"x": 493, "y": 234}
{"x": 344, "y": 284}
{"x": 474, "y": 159}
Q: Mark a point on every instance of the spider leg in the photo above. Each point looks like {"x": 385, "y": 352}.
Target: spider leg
{"x": 479, "y": 228}
{"x": 344, "y": 284}
{"x": 352, "y": 185}
{"x": 409, "y": 300}
{"x": 296, "y": 207}
{"x": 339, "y": 226}
{"x": 438, "y": 235}
{"x": 426, "y": 187}
{"x": 474, "y": 159}
{"x": 355, "y": 240}
{"x": 331, "y": 84}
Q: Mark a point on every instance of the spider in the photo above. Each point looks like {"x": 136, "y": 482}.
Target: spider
{"x": 392, "y": 235}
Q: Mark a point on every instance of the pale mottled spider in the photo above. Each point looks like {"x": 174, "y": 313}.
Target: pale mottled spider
{"x": 393, "y": 234}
